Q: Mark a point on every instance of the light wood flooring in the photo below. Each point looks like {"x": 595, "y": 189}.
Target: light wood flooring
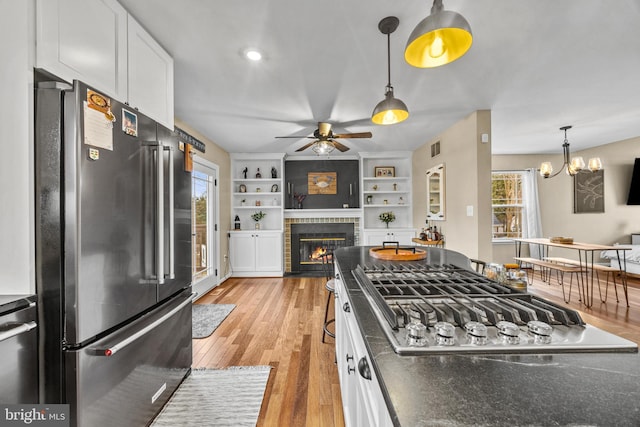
{"x": 278, "y": 322}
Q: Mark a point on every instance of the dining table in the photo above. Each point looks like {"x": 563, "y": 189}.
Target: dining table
{"x": 586, "y": 261}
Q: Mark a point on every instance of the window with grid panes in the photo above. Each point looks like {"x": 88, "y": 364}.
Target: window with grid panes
{"x": 507, "y": 205}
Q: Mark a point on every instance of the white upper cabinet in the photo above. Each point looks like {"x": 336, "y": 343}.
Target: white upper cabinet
{"x": 150, "y": 75}
{"x": 84, "y": 40}
{"x": 99, "y": 43}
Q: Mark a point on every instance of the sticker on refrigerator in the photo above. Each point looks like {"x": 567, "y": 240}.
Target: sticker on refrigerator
{"x": 129, "y": 123}
{"x": 94, "y": 154}
{"x": 100, "y": 103}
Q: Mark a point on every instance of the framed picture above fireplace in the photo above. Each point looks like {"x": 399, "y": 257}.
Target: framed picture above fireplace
{"x": 384, "y": 171}
{"x": 322, "y": 182}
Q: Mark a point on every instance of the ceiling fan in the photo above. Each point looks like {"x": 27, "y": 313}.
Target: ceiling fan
{"x": 325, "y": 139}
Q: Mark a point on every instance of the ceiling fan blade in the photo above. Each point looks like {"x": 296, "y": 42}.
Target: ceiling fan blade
{"x": 340, "y": 147}
{"x": 304, "y": 147}
{"x": 354, "y": 135}
{"x": 297, "y": 137}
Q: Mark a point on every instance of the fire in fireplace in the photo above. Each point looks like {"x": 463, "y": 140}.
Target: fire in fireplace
{"x": 310, "y": 241}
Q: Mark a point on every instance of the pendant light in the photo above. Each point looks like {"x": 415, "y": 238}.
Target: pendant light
{"x": 440, "y": 38}
{"x": 572, "y": 165}
{"x": 390, "y": 110}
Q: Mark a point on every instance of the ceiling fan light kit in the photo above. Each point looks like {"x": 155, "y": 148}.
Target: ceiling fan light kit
{"x": 572, "y": 165}
{"x": 439, "y": 39}
{"x": 390, "y": 110}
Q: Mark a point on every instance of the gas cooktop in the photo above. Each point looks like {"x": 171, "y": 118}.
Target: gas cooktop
{"x": 427, "y": 308}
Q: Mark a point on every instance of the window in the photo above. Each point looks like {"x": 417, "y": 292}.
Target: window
{"x": 508, "y": 208}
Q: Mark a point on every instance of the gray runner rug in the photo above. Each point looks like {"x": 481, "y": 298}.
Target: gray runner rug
{"x": 217, "y": 397}
{"x": 207, "y": 317}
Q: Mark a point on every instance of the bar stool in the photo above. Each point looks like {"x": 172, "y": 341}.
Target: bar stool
{"x": 327, "y": 266}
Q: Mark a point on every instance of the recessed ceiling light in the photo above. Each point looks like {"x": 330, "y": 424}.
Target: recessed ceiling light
{"x": 253, "y": 55}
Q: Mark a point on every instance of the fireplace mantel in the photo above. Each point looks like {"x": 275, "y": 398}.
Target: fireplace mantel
{"x": 323, "y": 213}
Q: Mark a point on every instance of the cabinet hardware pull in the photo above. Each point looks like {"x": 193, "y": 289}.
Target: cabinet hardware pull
{"x": 349, "y": 358}
{"x": 363, "y": 368}
{"x": 350, "y": 370}
{"x": 346, "y": 307}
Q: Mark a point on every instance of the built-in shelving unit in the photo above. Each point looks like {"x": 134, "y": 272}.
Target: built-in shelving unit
{"x": 256, "y": 185}
{"x": 252, "y": 194}
{"x": 386, "y": 187}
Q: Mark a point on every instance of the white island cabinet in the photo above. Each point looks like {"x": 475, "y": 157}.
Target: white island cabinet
{"x": 256, "y": 253}
{"x": 99, "y": 43}
{"x": 362, "y": 400}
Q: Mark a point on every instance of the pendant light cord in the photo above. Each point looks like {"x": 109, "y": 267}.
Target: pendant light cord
{"x": 389, "y": 61}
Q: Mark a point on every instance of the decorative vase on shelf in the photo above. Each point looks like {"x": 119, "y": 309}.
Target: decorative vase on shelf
{"x": 299, "y": 205}
{"x": 257, "y": 226}
{"x": 386, "y": 224}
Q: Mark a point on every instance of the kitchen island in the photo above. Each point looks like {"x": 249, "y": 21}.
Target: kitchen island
{"x": 482, "y": 389}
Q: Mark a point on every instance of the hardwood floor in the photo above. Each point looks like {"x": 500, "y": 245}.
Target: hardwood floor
{"x": 278, "y": 322}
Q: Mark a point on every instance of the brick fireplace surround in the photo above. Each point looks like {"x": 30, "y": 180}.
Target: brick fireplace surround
{"x": 315, "y": 220}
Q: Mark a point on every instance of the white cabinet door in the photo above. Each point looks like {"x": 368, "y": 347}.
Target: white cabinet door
{"x": 242, "y": 252}
{"x": 268, "y": 252}
{"x": 376, "y": 238}
{"x": 84, "y": 40}
{"x": 150, "y": 76}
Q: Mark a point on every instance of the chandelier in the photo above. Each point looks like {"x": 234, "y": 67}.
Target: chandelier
{"x": 572, "y": 165}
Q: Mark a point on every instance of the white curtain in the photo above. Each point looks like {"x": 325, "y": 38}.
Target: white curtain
{"x": 532, "y": 222}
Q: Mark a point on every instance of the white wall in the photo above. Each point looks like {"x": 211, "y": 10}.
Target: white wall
{"x": 17, "y": 32}
{"x": 556, "y": 197}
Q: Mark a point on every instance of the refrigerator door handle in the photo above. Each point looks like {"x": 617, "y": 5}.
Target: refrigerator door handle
{"x": 160, "y": 214}
{"x": 113, "y": 349}
{"x": 172, "y": 274}
{"x": 19, "y": 329}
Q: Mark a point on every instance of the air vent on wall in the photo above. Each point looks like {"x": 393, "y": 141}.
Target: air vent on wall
{"x": 435, "y": 149}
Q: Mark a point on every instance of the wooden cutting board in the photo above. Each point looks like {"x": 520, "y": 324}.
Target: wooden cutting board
{"x": 397, "y": 254}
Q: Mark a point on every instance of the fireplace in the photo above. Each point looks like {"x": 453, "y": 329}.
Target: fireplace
{"x": 310, "y": 241}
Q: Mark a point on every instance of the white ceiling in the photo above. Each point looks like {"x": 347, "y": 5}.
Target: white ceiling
{"x": 537, "y": 65}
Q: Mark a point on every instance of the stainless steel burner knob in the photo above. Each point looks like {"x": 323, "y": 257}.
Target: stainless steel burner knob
{"x": 508, "y": 332}
{"x": 476, "y": 333}
{"x": 445, "y": 333}
{"x": 540, "y": 331}
{"x": 416, "y": 334}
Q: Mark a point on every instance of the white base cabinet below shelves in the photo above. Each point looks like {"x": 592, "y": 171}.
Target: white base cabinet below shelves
{"x": 375, "y": 237}
{"x": 256, "y": 253}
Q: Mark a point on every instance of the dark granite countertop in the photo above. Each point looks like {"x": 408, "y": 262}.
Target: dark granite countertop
{"x": 9, "y": 303}
{"x": 576, "y": 389}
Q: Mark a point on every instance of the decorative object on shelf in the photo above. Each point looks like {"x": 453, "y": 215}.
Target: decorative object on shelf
{"x": 573, "y": 165}
{"x": 390, "y": 110}
{"x": 299, "y": 198}
{"x": 395, "y": 187}
{"x": 274, "y": 188}
{"x": 274, "y": 172}
{"x": 369, "y": 199}
{"x": 588, "y": 192}
{"x": 243, "y": 188}
{"x": 236, "y": 223}
{"x": 258, "y": 190}
{"x": 385, "y": 202}
{"x": 401, "y": 201}
{"x": 375, "y": 188}
{"x": 243, "y": 202}
{"x": 387, "y": 217}
{"x": 274, "y": 202}
{"x": 258, "y": 174}
{"x": 257, "y": 217}
{"x": 258, "y": 203}
{"x": 439, "y": 39}
{"x": 384, "y": 171}
{"x": 244, "y": 172}
{"x": 322, "y": 182}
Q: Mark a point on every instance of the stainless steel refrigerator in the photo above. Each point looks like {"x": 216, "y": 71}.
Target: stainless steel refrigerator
{"x": 113, "y": 257}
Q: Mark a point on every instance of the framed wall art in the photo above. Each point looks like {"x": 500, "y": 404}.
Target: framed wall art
{"x": 322, "y": 182}
{"x": 588, "y": 192}
{"x": 384, "y": 171}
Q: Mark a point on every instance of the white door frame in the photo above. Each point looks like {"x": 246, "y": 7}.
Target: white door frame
{"x": 205, "y": 285}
